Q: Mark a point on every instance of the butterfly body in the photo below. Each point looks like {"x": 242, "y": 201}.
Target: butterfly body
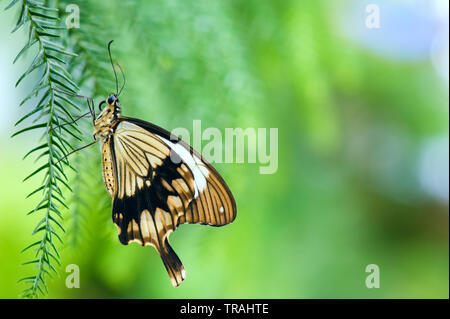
{"x": 157, "y": 182}
{"x": 108, "y": 169}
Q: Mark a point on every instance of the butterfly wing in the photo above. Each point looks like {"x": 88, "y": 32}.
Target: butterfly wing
{"x": 160, "y": 182}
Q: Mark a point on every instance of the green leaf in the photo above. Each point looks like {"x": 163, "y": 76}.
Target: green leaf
{"x": 65, "y": 99}
{"x": 29, "y": 129}
{"x": 47, "y": 34}
{"x": 64, "y": 183}
{"x": 55, "y": 258}
{"x": 38, "y": 6}
{"x": 35, "y": 149}
{"x": 29, "y": 114}
{"x": 65, "y": 86}
{"x": 64, "y": 128}
{"x": 36, "y": 261}
{"x": 37, "y": 62}
{"x": 42, "y": 155}
{"x": 34, "y": 92}
{"x": 61, "y": 171}
{"x": 56, "y": 235}
{"x": 54, "y": 249}
{"x": 45, "y": 99}
{"x": 63, "y": 143}
{"x": 54, "y": 57}
{"x": 35, "y": 191}
{"x": 11, "y": 4}
{"x": 62, "y": 75}
{"x": 36, "y": 171}
{"x": 35, "y": 230}
{"x": 60, "y": 107}
{"x": 43, "y": 15}
{"x": 25, "y": 48}
{"x": 22, "y": 19}
{"x": 60, "y": 201}
{"x": 26, "y": 279}
{"x": 31, "y": 245}
{"x": 55, "y": 49}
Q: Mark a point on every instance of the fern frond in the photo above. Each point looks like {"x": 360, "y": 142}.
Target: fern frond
{"x": 44, "y": 32}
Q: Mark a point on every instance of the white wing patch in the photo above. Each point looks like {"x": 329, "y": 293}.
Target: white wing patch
{"x": 198, "y": 169}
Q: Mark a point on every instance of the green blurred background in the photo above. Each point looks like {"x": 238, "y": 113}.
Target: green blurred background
{"x": 362, "y": 118}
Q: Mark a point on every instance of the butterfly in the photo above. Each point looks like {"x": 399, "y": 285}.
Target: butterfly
{"x": 157, "y": 182}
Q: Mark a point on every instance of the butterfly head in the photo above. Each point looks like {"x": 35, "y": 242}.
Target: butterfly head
{"x": 111, "y": 104}
{"x": 113, "y": 100}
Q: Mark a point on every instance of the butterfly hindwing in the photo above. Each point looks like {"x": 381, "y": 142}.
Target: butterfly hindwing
{"x": 161, "y": 182}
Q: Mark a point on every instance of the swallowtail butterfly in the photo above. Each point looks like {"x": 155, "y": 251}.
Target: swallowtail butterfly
{"x": 157, "y": 182}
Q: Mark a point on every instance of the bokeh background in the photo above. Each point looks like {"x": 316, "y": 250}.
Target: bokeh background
{"x": 363, "y": 175}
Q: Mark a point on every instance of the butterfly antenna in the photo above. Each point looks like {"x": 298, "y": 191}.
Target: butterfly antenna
{"x": 112, "y": 64}
{"x": 124, "y": 80}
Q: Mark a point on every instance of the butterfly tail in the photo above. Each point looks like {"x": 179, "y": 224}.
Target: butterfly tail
{"x": 173, "y": 264}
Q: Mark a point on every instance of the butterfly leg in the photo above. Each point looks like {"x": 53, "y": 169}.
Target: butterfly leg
{"x": 76, "y": 150}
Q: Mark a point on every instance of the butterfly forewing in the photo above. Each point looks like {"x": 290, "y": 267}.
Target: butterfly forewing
{"x": 158, "y": 182}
